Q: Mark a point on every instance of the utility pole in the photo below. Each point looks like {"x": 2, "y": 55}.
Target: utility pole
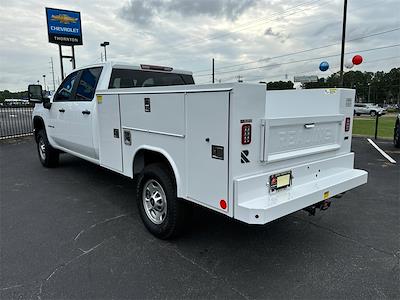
{"x": 213, "y": 71}
{"x": 101, "y": 56}
{"x": 52, "y": 73}
{"x": 343, "y": 42}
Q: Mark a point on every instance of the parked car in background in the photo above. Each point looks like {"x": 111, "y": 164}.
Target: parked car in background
{"x": 396, "y": 132}
{"x": 368, "y": 109}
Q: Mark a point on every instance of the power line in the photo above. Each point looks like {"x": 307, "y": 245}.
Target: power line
{"x": 302, "y": 51}
{"x": 302, "y": 60}
{"x": 266, "y": 20}
{"x": 253, "y": 78}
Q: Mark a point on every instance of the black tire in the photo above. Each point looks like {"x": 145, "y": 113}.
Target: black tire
{"x": 396, "y": 136}
{"x": 358, "y": 115}
{"x": 372, "y": 113}
{"x": 48, "y": 156}
{"x": 174, "y": 219}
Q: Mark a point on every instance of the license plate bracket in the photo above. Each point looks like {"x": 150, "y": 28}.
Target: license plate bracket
{"x": 280, "y": 181}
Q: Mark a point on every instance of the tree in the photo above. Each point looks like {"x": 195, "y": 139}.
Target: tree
{"x": 379, "y": 87}
{"x": 280, "y": 85}
{"x": 6, "y": 94}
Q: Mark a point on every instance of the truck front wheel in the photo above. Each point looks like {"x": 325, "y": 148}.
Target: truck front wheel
{"x": 162, "y": 212}
{"x": 48, "y": 156}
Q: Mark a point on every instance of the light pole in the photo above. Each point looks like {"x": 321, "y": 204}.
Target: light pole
{"x": 105, "y": 44}
{"x": 44, "y": 81}
{"x": 369, "y": 92}
{"x": 213, "y": 71}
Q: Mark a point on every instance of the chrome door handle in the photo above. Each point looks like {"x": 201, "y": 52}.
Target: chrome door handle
{"x": 309, "y": 126}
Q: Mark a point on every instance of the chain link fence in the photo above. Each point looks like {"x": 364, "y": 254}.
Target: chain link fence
{"x": 15, "y": 120}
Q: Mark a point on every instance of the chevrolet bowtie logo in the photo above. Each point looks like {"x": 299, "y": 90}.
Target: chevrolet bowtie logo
{"x": 64, "y": 19}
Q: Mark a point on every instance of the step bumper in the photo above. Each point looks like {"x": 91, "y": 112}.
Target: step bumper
{"x": 266, "y": 207}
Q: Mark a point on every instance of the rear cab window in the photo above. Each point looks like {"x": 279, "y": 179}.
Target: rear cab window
{"x": 127, "y": 78}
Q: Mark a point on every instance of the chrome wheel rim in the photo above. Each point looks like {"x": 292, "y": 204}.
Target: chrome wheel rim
{"x": 42, "y": 149}
{"x": 154, "y": 201}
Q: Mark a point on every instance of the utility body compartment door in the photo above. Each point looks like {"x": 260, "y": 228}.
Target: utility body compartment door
{"x": 207, "y": 117}
{"x": 110, "y": 151}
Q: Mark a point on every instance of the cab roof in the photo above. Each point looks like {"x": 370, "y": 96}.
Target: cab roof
{"x": 142, "y": 67}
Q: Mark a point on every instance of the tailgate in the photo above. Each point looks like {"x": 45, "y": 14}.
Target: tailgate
{"x": 302, "y": 123}
{"x": 285, "y": 138}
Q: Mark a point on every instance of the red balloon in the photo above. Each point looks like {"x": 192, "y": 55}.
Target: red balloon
{"x": 357, "y": 59}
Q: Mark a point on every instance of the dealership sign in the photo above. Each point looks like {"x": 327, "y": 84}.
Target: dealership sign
{"x": 64, "y": 26}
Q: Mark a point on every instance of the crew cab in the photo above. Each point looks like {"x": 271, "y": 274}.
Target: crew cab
{"x": 250, "y": 154}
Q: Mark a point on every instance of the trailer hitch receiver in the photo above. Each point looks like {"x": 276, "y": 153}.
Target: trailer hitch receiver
{"x": 323, "y": 205}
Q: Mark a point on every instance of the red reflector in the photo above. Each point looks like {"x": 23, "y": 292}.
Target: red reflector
{"x": 246, "y": 134}
{"x": 347, "y": 124}
{"x": 223, "y": 204}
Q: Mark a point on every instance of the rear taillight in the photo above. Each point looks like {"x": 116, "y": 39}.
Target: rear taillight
{"x": 347, "y": 124}
{"x": 246, "y": 134}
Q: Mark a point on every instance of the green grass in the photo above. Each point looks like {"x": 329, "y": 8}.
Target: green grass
{"x": 366, "y": 126}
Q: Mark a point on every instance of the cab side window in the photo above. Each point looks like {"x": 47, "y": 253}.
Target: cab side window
{"x": 87, "y": 84}
{"x": 65, "y": 91}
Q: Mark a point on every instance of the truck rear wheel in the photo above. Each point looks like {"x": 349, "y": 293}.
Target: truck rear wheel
{"x": 48, "y": 156}
{"x": 162, "y": 212}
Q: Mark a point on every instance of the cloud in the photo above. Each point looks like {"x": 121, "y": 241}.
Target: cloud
{"x": 143, "y": 12}
{"x": 187, "y": 34}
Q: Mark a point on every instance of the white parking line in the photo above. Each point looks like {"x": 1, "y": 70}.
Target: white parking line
{"x": 382, "y": 152}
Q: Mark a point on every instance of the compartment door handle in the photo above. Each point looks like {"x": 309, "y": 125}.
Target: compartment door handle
{"x": 309, "y": 126}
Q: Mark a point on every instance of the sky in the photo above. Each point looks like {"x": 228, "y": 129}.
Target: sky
{"x": 258, "y": 40}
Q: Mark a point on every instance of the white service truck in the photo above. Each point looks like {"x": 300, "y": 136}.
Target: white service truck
{"x": 251, "y": 154}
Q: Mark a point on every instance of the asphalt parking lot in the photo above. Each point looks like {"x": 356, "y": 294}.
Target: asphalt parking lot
{"x": 74, "y": 233}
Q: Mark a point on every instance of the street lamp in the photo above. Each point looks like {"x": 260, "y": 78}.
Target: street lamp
{"x": 105, "y": 44}
{"x": 369, "y": 92}
{"x": 44, "y": 81}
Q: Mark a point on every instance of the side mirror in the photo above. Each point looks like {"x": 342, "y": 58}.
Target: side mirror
{"x": 35, "y": 93}
{"x": 46, "y": 103}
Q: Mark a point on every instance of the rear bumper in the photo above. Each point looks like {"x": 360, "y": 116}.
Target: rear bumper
{"x": 254, "y": 204}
